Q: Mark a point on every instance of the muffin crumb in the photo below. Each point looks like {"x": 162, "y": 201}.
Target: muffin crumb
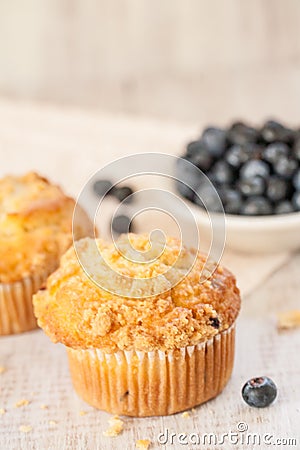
{"x": 82, "y": 413}
{"x": 115, "y": 428}
{"x": 2, "y": 369}
{"x": 143, "y": 444}
{"x": 25, "y": 428}
{"x": 2, "y": 411}
{"x": 185, "y": 414}
{"x": 288, "y": 320}
{"x": 21, "y": 403}
{"x": 52, "y": 423}
{"x": 43, "y": 406}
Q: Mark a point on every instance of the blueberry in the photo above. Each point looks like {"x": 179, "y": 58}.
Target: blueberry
{"x": 122, "y": 193}
{"x": 259, "y": 392}
{"x": 285, "y": 167}
{"x": 284, "y": 207}
{"x": 185, "y": 190}
{"x": 232, "y": 200}
{"x": 102, "y": 187}
{"x": 296, "y": 180}
{"x": 274, "y": 131}
{"x": 252, "y": 186}
{"x": 296, "y": 201}
{"x": 273, "y": 152}
{"x": 215, "y": 140}
{"x": 237, "y": 155}
{"x": 198, "y": 154}
{"x": 256, "y": 206}
{"x": 188, "y": 176}
{"x": 214, "y": 322}
{"x": 121, "y": 224}
{"x": 241, "y": 134}
{"x": 296, "y": 149}
{"x": 277, "y": 188}
{"x": 255, "y": 168}
{"x": 221, "y": 173}
{"x": 207, "y": 197}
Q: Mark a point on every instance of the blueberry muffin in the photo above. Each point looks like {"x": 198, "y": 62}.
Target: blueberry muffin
{"x": 35, "y": 230}
{"x": 144, "y": 336}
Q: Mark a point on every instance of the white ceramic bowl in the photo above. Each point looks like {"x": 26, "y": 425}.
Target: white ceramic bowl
{"x": 260, "y": 234}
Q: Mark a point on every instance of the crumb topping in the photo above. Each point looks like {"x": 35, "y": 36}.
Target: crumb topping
{"x": 80, "y": 314}
{"x": 35, "y": 226}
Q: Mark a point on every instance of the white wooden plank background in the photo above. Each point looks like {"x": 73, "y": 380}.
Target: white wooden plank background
{"x": 201, "y": 59}
{"x": 68, "y": 146}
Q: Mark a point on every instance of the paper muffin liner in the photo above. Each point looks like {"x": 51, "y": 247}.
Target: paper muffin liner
{"x": 16, "y": 309}
{"x": 136, "y": 383}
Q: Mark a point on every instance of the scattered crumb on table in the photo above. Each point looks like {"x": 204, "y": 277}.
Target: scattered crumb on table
{"x": 2, "y": 411}
{"x": 25, "y": 428}
{"x": 288, "y": 319}
{"x": 143, "y": 444}
{"x": 52, "y": 423}
{"x": 44, "y": 406}
{"x": 2, "y": 369}
{"x": 115, "y": 428}
{"x": 82, "y": 413}
{"x": 23, "y": 402}
{"x": 185, "y": 414}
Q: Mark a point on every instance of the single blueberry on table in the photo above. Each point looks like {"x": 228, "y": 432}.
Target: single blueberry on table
{"x": 284, "y": 207}
{"x": 255, "y": 168}
{"x": 259, "y": 392}
{"x": 257, "y": 206}
{"x": 252, "y": 186}
{"x": 215, "y": 140}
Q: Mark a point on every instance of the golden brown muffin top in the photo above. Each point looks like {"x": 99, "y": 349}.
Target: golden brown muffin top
{"x": 35, "y": 226}
{"x": 77, "y": 312}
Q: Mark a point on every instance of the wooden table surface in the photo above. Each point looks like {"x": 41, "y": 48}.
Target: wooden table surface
{"x": 68, "y": 146}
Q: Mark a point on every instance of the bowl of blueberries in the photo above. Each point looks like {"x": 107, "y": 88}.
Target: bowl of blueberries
{"x": 256, "y": 174}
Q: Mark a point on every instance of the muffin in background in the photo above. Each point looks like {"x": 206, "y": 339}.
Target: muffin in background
{"x": 166, "y": 347}
{"x": 35, "y": 230}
